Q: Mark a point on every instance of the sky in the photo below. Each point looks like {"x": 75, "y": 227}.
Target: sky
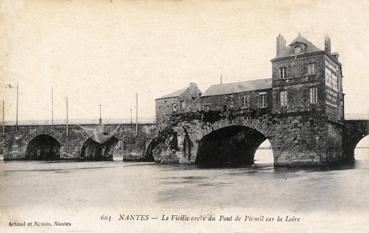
{"x": 103, "y": 52}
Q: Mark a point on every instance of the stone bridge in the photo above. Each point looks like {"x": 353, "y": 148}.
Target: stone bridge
{"x": 355, "y": 130}
{"x": 85, "y": 142}
{"x": 232, "y": 138}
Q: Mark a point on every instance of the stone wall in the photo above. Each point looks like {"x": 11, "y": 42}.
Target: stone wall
{"x": 129, "y": 144}
{"x": 234, "y": 101}
{"x": 297, "y": 139}
{"x": 164, "y": 109}
{"x": 298, "y": 83}
{"x": 164, "y": 106}
{"x": 305, "y": 140}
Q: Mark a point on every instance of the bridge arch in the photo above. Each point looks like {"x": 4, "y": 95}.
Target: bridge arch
{"x": 149, "y": 157}
{"x": 43, "y": 147}
{"x": 97, "y": 151}
{"x": 229, "y": 146}
{"x": 188, "y": 141}
{"x": 362, "y": 148}
{"x": 264, "y": 154}
{"x": 355, "y": 131}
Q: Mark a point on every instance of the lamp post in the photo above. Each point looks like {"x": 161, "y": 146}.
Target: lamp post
{"x": 66, "y": 120}
{"x": 131, "y": 114}
{"x": 16, "y": 87}
{"x": 52, "y": 106}
{"x": 17, "y": 105}
{"x": 3, "y": 118}
{"x": 136, "y": 114}
{"x": 100, "y": 119}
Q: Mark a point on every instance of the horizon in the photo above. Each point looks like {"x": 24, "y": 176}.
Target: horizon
{"x": 348, "y": 116}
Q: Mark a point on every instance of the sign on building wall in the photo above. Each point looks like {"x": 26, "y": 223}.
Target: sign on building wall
{"x": 331, "y": 82}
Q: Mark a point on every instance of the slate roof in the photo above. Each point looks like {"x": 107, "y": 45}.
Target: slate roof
{"x": 310, "y": 47}
{"x": 174, "y": 94}
{"x": 229, "y": 88}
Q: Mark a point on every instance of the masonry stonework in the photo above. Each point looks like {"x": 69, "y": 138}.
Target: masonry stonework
{"x": 181, "y": 101}
{"x": 301, "y": 114}
{"x": 126, "y": 142}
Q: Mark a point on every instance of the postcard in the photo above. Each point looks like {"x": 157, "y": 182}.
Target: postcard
{"x": 184, "y": 116}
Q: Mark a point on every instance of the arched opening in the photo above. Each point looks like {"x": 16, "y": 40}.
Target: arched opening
{"x": 362, "y": 149}
{"x": 149, "y": 156}
{"x": 43, "y": 147}
{"x": 231, "y": 146}
{"x": 264, "y": 153}
{"x": 95, "y": 151}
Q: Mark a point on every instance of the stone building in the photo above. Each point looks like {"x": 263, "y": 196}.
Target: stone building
{"x": 306, "y": 78}
{"x": 181, "y": 101}
{"x": 246, "y": 96}
{"x": 300, "y": 110}
{"x": 308, "y": 100}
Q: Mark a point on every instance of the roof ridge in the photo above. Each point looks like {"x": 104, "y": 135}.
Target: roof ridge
{"x": 237, "y": 87}
{"x": 174, "y": 93}
{"x": 253, "y": 80}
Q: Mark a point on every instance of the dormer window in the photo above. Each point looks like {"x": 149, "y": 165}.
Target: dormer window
{"x": 298, "y": 49}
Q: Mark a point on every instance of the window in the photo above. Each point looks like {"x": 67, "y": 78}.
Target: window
{"x": 297, "y": 49}
{"x": 245, "y": 101}
{"x": 206, "y": 108}
{"x": 262, "y": 100}
{"x": 283, "y": 72}
{"x": 283, "y": 98}
{"x": 313, "y": 95}
{"x": 182, "y": 105}
{"x": 311, "y": 69}
{"x": 174, "y": 107}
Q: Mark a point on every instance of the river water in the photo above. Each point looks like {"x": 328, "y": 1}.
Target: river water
{"x": 83, "y": 191}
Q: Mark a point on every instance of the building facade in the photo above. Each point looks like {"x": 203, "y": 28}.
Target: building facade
{"x": 308, "y": 99}
{"x": 300, "y": 109}
{"x": 181, "y": 101}
{"x": 240, "y": 96}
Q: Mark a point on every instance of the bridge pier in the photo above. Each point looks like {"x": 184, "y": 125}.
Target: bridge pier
{"x": 306, "y": 141}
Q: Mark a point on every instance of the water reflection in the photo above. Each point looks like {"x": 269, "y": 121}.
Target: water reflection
{"x": 76, "y": 185}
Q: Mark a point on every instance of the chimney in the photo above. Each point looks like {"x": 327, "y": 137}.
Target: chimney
{"x": 327, "y": 44}
{"x": 281, "y": 45}
{"x": 193, "y": 84}
{"x": 335, "y": 55}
